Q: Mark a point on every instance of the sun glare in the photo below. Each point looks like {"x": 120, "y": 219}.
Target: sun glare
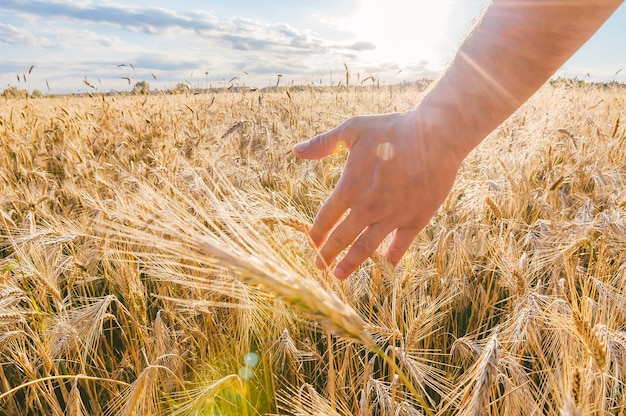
{"x": 404, "y": 31}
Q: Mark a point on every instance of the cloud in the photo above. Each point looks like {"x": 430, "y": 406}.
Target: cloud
{"x": 394, "y": 72}
{"x": 243, "y": 43}
{"x": 150, "y": 20}
{"x": 165, "y": 62}
{"x": 75, "y": 39}
{"x": 300, "y": 39}
{"x": 362, "y": 46}
{"x": 260, "y": 67}
{"x": 249, "y": 35}
{"x": 92, "y": 39}
{"x": 237, "y": 33}
{"x": 12, "y": 35}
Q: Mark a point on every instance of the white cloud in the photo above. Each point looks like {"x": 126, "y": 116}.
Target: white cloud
{"x": 12, "y": 35}
{"x": 151, "y": 20}
{"x": 78, "y": 39}
{"x": 90, "y": 39}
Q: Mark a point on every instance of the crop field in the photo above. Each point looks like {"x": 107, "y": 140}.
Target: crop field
{"x": 154, "y": 261}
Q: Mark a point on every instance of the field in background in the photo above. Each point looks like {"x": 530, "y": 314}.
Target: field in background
{"x": 153, "y": 260}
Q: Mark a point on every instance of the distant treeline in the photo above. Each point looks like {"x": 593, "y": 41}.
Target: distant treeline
{"x": 143, "y": 88}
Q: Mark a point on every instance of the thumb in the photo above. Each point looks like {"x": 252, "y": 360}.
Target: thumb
{"x": 320, "y": 146}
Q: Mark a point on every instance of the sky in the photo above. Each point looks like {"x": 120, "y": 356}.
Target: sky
{"x": 109, "y": 45}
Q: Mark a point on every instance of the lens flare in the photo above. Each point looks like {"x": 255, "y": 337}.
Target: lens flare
{"x": 251, "y": 359}
{"x": 385, "y": 151}
{"x": 340, "y": 147}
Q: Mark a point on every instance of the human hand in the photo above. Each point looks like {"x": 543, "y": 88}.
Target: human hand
{"x": 399, "y": 171}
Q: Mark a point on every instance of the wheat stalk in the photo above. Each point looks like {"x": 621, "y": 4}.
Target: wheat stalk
{"x": 303, "y": 293}
{"x": 594, "y": 339}
{"x": 495, "y": 209}
{"x": 326, "y": 307}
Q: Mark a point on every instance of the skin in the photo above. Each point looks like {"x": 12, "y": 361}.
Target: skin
{"x": 402, "y": 166}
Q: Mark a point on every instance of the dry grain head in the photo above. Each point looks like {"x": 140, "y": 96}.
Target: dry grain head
{"x": 302, "y": 292}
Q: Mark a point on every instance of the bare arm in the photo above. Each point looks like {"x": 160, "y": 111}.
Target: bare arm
{"x": 513, "y": 50}
{"x": 401, "y": 167}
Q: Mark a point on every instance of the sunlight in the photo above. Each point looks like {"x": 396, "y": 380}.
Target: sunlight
{"x": 404, "y": 31}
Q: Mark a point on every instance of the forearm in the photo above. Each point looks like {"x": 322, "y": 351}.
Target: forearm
{"x": 515, "y": 48}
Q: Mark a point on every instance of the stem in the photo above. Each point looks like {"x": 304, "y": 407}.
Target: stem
{"x": 331, "y": 371}
{"x": 60, "y": 377}
{"x": 404, "y": 378}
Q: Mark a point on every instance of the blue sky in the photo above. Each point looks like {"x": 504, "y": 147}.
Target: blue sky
{"x": 250, "y": 42}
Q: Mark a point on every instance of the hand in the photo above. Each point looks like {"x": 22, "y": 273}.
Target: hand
{"x": 399, "y": 171}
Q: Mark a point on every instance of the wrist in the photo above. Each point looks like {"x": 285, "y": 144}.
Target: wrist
{"x": 444, "y": 120}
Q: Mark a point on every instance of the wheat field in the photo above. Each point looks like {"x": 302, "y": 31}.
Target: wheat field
{"x": 154, "y": 261}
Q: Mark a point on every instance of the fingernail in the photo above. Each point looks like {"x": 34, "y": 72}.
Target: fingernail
{"x": 340, "y": 273}
{"x": 301, "y": 147}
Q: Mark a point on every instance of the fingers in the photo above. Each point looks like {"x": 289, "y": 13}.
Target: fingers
{"x": 363, "y": 247}
{"x": 344, "y": 235}
{"x": 321, "y": 145}
{"x": 327, "y": 217}
{"x": 400, "y": 243}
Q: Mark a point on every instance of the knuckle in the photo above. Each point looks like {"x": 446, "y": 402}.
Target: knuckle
{"x": 320, "y": 227}
{"x": 337, "y": 241}
{"x": 350, "y": 262}
{"x": 317, "y": 236}
{"x": 348, "y": 128}
{"x": 348, "y": 125}
{"x": 320, "y": 139}
{"x": 359, "y": 252}
{"x": 373, "y": 209}
{"x": 315, "y": 239}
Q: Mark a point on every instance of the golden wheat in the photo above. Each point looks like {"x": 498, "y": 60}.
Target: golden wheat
{"x": 154, "y": 259}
